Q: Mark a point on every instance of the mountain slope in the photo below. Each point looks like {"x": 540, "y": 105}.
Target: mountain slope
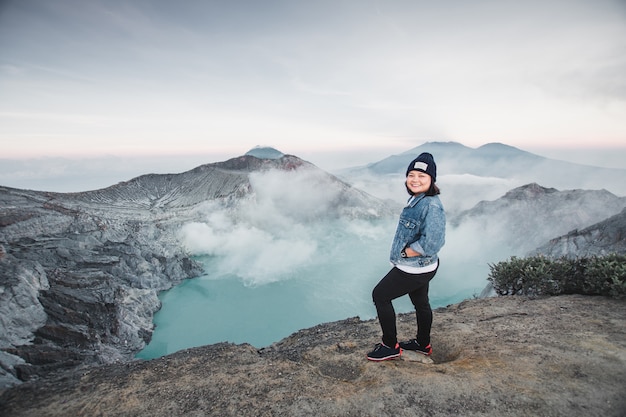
{"x": 493, "y": 159}
{"x": 608, "y": 236}
{"x": 528, "y": 216}
{"x": 227, "y": 182}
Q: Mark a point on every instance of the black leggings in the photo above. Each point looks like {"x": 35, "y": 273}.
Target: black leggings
{"x": 396, "y": 284}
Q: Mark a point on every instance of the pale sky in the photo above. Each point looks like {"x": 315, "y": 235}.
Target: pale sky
{"x": 127, "y": 78}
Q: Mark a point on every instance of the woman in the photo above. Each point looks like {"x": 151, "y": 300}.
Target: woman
{"x": 419, "y": 237}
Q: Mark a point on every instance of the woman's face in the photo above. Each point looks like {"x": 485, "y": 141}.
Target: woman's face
{"x": 418, "y": 182}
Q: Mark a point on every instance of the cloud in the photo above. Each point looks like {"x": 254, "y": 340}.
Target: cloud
{"x": 300, "y": 195}
{"x": 462, "y": 192}
{"x": 286, "y": 226}
{"x": 54, "y": 117}
{"x": 270, "y": 234}
{"x": 324, "y": 74}
{"x": 256, "y": 256}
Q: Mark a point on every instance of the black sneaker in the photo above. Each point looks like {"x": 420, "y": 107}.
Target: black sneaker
{"x": 416, "y": 347}
{"x": 383, "y": 352}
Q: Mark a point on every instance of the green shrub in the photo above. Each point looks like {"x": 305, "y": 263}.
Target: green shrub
{"x": 538, "y": 275}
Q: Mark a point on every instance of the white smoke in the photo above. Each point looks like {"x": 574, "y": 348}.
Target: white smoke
{"x": 257, "y": 256}
{"x": 296, "y": 195}
{"x": 462, "y": 192}
{"x": 271, "y": 234}
{"x": 281, "y": 232}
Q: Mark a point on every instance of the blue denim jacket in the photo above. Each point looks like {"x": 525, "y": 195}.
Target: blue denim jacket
{"x": 422, "y": 226}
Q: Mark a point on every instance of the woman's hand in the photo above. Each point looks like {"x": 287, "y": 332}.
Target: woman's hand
{"x": 411, "y": 253}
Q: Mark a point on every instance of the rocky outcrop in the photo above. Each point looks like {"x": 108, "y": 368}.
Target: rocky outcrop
{"x": 80, "y": 272}
{"x": 608, "y": 236}
{"x": 505, "y": 356}
{"x": 528, "y": 216}
{"x": 79, "y": 283}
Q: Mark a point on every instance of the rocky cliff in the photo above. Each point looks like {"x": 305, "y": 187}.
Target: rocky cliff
{"x": 80, "y": 272}
{"x": 608, "y": 236}
{"x": 528, "y": 216}
{"x": 79, "y": 280}
{"x": 505, "y": 356}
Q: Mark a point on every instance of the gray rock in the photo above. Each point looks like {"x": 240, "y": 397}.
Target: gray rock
{"x": 603, "y": 238}
{"x": 21, "y": 313}
{"x": 528, "y": 216}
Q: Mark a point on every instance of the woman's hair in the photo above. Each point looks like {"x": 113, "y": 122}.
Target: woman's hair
{"x": 433, "y": 190}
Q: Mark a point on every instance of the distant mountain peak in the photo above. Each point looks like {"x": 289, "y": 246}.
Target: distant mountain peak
{"x": 529, "y": 191}
{"x": 436, "y": 147}
{"x": 265, "y": 152}
{"x": 497, "y": 145}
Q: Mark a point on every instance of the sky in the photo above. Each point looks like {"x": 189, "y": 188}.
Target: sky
{"x": 90, "y": 78}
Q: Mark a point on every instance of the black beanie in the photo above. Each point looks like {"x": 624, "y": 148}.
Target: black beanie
{"x": 425, "y": 163}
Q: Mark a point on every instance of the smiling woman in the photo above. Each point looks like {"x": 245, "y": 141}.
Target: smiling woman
{"x": 414, "y": 256}
{"x": 418, "y": 182}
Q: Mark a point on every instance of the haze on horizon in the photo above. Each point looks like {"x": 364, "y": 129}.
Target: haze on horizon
{"x": 59, "y": 174}
{"x": 89, "y": 79}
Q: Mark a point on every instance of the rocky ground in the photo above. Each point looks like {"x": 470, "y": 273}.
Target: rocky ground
{"x": 505, "y": 356}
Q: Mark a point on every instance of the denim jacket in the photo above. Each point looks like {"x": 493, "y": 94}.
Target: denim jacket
{"x": 422, "y": 226}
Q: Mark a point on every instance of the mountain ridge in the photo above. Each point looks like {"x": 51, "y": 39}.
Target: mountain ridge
{"x": 599, "y": 239}
{"x": 443, "y": 151}
{"x": 496, "y": 160}
{"x": 538, "y": 206}
{"x": 446, "y": 149}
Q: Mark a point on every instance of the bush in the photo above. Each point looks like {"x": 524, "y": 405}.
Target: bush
{"x": 538, "y": 275}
